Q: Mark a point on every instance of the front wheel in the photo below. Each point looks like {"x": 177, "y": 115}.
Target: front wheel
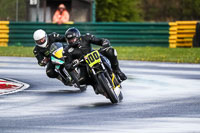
{"x": 120, "y": 96}
{"x": 105, "y": 84}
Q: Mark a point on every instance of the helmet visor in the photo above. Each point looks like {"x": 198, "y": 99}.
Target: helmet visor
{"x": 72, "y": 40}
{"x": 41, "y": 41}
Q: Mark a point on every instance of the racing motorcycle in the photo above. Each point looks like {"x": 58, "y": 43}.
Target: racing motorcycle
{"x": 57, "y": 59}
{"x": 97, "y": 72}
{"x": 104, "y": 80}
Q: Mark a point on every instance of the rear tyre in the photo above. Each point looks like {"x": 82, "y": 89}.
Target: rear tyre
{"x": 107, "y": 88}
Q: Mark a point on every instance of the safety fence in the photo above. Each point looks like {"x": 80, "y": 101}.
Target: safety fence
{"x": 182, "y": 33}
{"x": 119, "y": 34}
{"x": 173, "y": 34}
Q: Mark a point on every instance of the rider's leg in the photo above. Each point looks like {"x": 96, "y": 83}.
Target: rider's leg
{"x": 111, "y": 54}
{"x": 51, "y": 73}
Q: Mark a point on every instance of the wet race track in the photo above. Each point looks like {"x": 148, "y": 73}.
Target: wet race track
{"x": 158, "y": 98}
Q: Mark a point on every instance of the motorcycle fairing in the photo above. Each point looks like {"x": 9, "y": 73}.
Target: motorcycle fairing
{"x": 92, "y": 58}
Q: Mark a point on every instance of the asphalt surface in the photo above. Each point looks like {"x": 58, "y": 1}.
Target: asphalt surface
{"x": 158, "y": 98}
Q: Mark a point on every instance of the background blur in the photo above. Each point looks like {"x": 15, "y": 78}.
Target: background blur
{"x": 106, "y": 10}
{"x": 161, "y": 23}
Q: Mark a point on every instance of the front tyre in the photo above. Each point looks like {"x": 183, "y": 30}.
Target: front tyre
{"x": 120, "y": 96}
{"x": 83, "y": 88}
{"x": 105, "y": 84}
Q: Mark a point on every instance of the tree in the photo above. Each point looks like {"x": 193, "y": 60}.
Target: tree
{"x": 8, "y": 10}
{"x": 171, "y": 10}
{"x": 118, "y": 10}
{"x": 191, "y": 9}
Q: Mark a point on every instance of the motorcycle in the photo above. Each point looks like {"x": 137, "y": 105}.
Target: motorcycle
{"x": 100, "y": 76}
{"x": 58, "y": 60}
{"x": 91, "y": 69}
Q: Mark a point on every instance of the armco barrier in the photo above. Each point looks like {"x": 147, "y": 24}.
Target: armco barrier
{"x": 119, "y": 34}
{"x": 173, "y": 34}
{"x": 4, "y": 31}
{"x": 182, "y": 33}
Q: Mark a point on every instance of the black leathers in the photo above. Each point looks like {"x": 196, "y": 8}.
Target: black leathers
{"x": 83, "y": 46}
{"x": 40, "y": 53}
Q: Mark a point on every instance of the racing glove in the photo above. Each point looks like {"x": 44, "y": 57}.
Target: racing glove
{"x": 106, "y": 43}
{"x": 70, "y": 66}
{"x": 44, "y": 61}
{"x": 75, "y": 63}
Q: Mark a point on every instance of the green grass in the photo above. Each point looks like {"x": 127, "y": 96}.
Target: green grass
{"x": 178, "y": 55}
{"x": 16, "y": 51}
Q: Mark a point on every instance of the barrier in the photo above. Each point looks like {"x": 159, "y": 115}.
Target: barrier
{"x": 173, "y": 34}
{"x": 119, "y": 34}
{"x": 4, "y": 31}
{"x": 182, "y": 33}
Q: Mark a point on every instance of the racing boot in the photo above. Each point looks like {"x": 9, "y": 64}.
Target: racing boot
{"x": 111, "y": 54}
{"x": 65, "y": 82}
{"x": 118, "y": 72}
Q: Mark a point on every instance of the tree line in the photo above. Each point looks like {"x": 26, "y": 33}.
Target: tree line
{"x": 147, "y": 10}
{"x": 123, "y": 10}
{"x": 8, "y": 10}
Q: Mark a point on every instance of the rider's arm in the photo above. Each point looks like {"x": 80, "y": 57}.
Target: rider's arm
{"x": 39, "y": 56}
{"x": 68, "y": 58}
{"x": 55, "y": 37}
{"x": 98, "y": 41}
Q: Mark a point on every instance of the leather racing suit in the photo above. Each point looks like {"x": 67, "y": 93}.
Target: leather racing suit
{"x": 43, "y": 54}
{"x": 83, "y": 46}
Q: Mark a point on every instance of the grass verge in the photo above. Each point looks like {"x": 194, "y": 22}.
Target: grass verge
{"x": 178, "y": 55}
{"x": 16, "y": 51}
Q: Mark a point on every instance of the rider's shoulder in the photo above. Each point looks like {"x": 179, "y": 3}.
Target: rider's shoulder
{"x": 36, "y": 49}
{"x": 54, "y": 34}
{"x": 88, "y": 36}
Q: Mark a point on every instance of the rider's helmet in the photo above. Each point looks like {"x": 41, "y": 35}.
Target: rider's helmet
{"x": 40, "y": 38}
{"x": 72, "y": 35}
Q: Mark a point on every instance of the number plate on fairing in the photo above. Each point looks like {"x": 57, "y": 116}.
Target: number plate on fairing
{"x": 92, "y": 58}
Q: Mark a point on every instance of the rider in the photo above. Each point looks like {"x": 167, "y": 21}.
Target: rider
{"x": 41, "y": 51}
{"x": 79, "y": 45}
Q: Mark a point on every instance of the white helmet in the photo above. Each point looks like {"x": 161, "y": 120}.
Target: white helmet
{"x": 40, "y": 38}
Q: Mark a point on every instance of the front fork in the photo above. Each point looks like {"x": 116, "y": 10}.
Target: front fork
{"x": 106, "y": 75}
{"x": 111, "y": 78}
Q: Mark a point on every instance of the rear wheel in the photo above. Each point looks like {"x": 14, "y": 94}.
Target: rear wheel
{"x": 107, "y": 88}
